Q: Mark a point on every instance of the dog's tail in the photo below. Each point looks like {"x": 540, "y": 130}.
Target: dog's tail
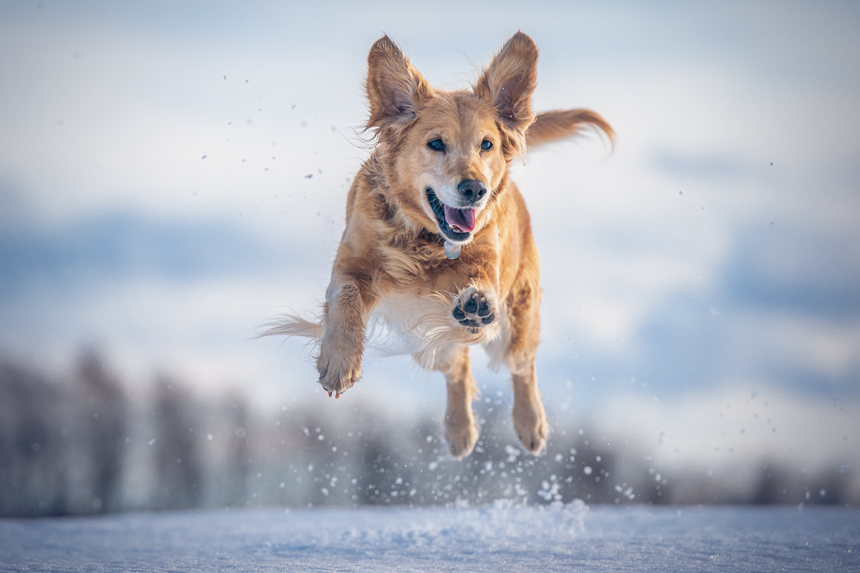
{"x": 292, "y": 325}
{"x": 554, "y": 125}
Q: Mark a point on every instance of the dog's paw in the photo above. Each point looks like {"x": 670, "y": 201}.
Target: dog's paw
{"x": 462, "y": 438}
{"x": 531, "y": 425}
{"x": 475, "y": 308}
{"x": 338, "y": 373}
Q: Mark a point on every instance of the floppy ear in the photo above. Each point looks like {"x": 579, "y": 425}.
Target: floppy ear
{"x": 508, "y": 83}
{"x": 395, "y": 89}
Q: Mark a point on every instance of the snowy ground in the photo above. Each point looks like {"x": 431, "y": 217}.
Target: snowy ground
{"x": 575, "y": 537}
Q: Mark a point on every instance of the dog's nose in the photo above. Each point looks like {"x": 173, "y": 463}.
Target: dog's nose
{"x": 472, "y": 189}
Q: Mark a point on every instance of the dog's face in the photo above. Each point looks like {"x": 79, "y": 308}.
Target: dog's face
{"x": 451, "y": 156}
{"x": 448, "y": 152}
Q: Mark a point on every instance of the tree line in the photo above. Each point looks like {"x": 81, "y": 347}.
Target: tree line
{"x": 79, "y": 444}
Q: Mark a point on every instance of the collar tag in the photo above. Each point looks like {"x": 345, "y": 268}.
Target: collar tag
{"x": 452, "y": 251}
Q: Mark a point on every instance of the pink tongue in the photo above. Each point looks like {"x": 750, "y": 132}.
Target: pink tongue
{"x": 462, "y": 220}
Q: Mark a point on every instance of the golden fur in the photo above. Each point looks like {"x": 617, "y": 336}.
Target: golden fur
{"x": 453, "y": 148}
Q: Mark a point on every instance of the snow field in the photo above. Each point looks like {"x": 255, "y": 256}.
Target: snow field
{"x": 502, "y": 537}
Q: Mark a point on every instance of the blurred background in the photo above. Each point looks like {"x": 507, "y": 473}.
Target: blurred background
{"x": 173, "y": 175}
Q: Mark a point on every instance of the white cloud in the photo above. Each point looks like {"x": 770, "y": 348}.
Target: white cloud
{"x": 141, "y": 97}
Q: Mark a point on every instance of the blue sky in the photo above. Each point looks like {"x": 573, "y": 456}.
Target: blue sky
{"x": 155, "y": 199}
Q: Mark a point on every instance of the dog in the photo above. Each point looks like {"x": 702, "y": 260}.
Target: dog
{"x": 438, "y": 245}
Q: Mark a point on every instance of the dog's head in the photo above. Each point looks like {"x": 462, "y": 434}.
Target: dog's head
{"x": 446, "y": 154}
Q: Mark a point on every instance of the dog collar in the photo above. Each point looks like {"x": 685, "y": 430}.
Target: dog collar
{"x": 452, "y": 251}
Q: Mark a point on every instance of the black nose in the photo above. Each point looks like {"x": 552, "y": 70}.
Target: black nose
{"x": 472, "y": 189}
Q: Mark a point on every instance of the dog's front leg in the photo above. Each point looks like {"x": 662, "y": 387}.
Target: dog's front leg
{"x": 476, "y": 304}
{"x": 342, "y": 346}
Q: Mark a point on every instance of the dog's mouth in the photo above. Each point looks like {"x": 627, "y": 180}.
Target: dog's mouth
{"x": 455, "y": 224}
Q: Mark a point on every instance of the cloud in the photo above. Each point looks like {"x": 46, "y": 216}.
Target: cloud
{"x": 108, "y": 110}
{"x": 124, "y": 246}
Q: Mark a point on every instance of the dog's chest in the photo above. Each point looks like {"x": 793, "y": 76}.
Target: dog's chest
{"x": 401, "y": 321}
{"x": 422, "y": 325}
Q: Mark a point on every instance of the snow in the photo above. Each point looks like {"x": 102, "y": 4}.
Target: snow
{"x": 500, "y": 538}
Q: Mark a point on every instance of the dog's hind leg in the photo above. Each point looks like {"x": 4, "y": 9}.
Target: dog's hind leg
{"x": 460, "y": 427}
{"x": 530, "y": 420}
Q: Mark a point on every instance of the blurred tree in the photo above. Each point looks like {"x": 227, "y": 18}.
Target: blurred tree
{"x": 237, "y": 454}
{"x": 33, "y": 473}
{"x": 103, "y": 411}
{"x": 177, "y": 462}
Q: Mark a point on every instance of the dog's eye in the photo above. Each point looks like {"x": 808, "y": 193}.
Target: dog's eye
{"x": 436, "y": 144}
{"x": 486, "y": 145}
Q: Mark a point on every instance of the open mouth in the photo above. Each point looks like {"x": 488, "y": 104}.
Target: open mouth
{"x": 455, "y": 224}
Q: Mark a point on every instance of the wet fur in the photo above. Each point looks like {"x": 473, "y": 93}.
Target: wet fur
{"x": 390, "y": 261}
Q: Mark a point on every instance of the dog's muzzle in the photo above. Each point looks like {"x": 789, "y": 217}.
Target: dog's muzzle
{"x": 456, "y": 225}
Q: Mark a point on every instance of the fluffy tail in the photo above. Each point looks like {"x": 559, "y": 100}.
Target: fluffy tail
{"x": 292, "y": 325}
{"x": 554, "y": 125}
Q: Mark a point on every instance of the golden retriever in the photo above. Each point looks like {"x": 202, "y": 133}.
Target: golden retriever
{"x": 438, "y": 242}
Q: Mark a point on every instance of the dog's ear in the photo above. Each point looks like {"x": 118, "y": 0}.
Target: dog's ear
{"x": 509, "y": 81}
{"x": 395, "y": 89}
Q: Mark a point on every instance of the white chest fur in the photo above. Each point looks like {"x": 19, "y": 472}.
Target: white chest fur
{"x": 422, "y": 325}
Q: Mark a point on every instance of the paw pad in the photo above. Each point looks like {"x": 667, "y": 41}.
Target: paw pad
{"x": 474, "y": 310}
